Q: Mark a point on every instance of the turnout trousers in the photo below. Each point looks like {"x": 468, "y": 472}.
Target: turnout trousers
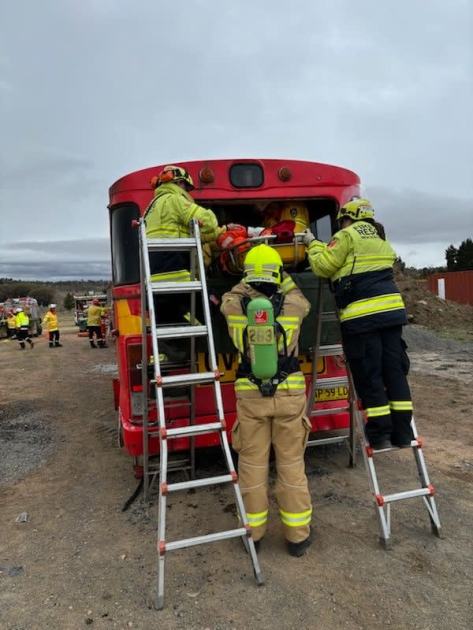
{"x": 279, "y": 421}
{"x": 379, "y": 364}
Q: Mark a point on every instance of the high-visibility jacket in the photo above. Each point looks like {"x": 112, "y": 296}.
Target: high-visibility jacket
{"x": 11, "y": 322}
{"x": 294, "y": 308}
{"x": 169, "y": 216}
{"x": 95, "y": 314}
{"x": 360, "y": 265}
{"x": 50, "y": 320}
{"x": 22, "y": 320}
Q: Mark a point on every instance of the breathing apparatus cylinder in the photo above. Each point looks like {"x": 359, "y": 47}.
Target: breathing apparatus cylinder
{"x": 262, "y": 342}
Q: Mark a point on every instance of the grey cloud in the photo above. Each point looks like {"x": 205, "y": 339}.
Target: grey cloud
{"x": 85, "y": 270}
{"x": 98, "y": 88}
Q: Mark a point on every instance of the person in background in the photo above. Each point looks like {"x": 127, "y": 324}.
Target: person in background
{"x": 95, "y": 312}
{"x": 359, "y": 262}
{"x": 11, "y": 325}
{"x": 22, "y": 322}
{"x": 50, "y": 320}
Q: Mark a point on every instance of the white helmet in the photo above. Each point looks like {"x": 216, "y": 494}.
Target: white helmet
{"x": 52, "y": 306}
{"x": 18, "y": 309}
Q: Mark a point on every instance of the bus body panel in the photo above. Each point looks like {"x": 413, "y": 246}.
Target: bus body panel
{"x": 308, "y": 181}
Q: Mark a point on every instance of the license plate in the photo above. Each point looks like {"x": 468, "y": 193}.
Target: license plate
{"x": 332, "y": 393}
{"x": 261, "y": 335}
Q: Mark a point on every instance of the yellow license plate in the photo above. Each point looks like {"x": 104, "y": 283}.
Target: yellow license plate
{"x": 332, "y": 393}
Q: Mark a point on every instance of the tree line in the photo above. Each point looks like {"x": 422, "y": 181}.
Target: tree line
{"x": 460, "y": 258}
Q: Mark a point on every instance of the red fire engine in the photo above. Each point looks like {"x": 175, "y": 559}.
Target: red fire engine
{"x": 244, "y": 192}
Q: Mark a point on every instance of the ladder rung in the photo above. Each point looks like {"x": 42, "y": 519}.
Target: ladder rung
{"x": 196, "y": 378}
{"x": 333, "y": 381}
{"x": 199, "y": 483}
{"x": 194, "y": 429}
{"x": 173, "y": 244}
{"x": 199, "y": 540}
{"x": 329, "y": 316}
{"x": 176, "y": 287}
{"x": 327, "y": 412}
{"x": 408, "y": 494}
{"x": 330, "y": 440}
{"x": 177, "y": 332}
{"x": 330, "y": 350}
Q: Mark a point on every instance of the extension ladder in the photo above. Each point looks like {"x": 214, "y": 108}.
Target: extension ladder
{"x": 358, "y": 419}
{"x": 197, "y": 284}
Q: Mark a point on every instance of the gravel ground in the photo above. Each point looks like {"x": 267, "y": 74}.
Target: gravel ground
{"x": 80, "y": 561}
{"x": 26, "y": 440}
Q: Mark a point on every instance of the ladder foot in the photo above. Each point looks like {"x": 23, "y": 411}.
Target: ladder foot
{"x": 259, "y": 578}
{"x": 386, "y": 543}
{"x": 437, "y": 531}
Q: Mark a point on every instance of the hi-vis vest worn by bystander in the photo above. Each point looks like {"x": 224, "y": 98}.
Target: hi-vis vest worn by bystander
{"x": 50, "y": 321}
{"x": 290, "y": 309}
{"x": 22, "y": 320}
{"x": 169, "y": 216}
{"x": 360, "y": 265}
{"x": 95, "y": 314}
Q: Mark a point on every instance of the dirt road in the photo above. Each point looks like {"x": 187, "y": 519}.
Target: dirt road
{"x": 79, "y": 560}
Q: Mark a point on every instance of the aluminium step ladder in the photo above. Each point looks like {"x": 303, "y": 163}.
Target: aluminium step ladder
{"x": 383, "y": 501}
{"x": 357, "y": 421}
{"x": 197, "y": 284}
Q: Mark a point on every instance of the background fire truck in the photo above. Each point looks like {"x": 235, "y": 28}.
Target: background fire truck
{"x": 31, "y": 308}
{"x": 243, "y": 192}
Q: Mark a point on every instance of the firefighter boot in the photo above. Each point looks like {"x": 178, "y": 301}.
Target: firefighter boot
{"x": 51, "y": 345}
{"x": 92, "y": 344}
{"x": 298, "y": 549}
{"x": 58, "y": 345}
{"x": 31, "y": 343}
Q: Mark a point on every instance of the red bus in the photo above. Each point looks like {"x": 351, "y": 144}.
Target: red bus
{"x": 237, "y": 191}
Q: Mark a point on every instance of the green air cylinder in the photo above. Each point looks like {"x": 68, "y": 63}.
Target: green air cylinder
{"x": 262, "y": 341}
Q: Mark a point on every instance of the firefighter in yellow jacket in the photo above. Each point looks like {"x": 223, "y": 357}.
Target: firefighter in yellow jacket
{"x": 359, "y": 262}
{"x": 50, "y": 320}
{"x": 95, "y": 312}
{"x": 22, "y": 328}
{"x": 271, "y": 411}
{"x": 169, "y": 216}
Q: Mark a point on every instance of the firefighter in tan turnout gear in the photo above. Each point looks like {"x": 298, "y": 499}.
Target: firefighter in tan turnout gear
{"x": 270, "y": 394}
{"x": 359, "y": 261}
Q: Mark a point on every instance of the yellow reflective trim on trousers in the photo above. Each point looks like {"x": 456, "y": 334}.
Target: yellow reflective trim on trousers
{"x": 374, "y": 412}
{"x": 171, "y": 276}
{"x": 401, "y": 405}
{"x": 296, "y": 519}
{"x": 371, "y": 306}
{"x": 256, "y": 519}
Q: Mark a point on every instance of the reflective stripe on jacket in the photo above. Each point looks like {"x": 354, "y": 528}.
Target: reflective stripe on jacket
{"x": 294, "y": 308}
{"x": 359, "y": 263}
{"x": 50, "y": 321}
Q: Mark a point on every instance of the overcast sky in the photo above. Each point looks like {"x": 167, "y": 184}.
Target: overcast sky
{"x": 93, "y": 89}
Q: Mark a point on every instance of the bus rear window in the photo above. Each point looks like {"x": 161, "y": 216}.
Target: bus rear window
{"x": 125, "y": 257}
{"x": 246, "y": 175}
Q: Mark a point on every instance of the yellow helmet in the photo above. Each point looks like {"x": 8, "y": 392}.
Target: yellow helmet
{"x": 356, "y": 209}
{"x": 173, "y": 174}
{"x": 262, "y": 264}
{"x": 296, "y": 211}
